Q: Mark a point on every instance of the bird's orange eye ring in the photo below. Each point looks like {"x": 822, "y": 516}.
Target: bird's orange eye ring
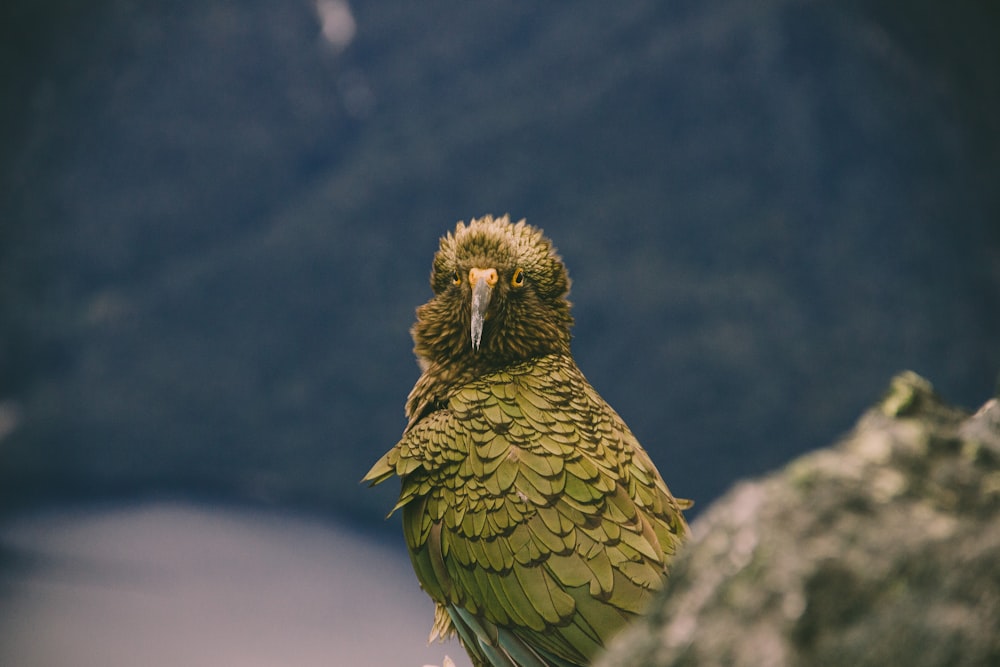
{"x": 517, "y": 280}
{"x": 455, "y": 278}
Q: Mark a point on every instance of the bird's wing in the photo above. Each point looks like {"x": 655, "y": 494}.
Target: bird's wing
{"x": 529, "y": 506}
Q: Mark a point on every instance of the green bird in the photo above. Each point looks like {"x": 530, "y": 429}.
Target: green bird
{"x": 533, "y": 517}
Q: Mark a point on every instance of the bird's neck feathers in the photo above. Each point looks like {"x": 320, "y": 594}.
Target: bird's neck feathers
{"x": 448, "y": 361}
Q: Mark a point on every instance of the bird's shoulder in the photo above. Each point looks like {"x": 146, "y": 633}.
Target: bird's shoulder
{"x": 543, "y": 404}
{"x": 535, "y": 432}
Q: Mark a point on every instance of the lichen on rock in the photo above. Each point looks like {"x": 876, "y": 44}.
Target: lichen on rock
{"x": 880, "y": 550}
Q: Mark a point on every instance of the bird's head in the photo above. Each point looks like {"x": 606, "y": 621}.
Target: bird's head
{"x": 499, "y": 296}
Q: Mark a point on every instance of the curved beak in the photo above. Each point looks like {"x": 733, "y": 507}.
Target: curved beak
{"x": 482, "y": 281}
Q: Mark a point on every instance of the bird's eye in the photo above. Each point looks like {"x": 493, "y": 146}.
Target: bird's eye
{"x": 517, "y": 280}
{"x": 455, "y": 279}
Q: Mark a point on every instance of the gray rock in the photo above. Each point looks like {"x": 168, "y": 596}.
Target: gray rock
{"x": 881, "y": 550}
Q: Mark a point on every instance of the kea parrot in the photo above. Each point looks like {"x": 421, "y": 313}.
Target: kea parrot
{"x": 532, "y": 515}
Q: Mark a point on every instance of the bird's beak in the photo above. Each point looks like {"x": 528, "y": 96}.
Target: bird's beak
{"x": 482, "y": 281}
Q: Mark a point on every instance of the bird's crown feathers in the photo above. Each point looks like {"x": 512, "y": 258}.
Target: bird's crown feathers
{"x": 488, "y": 241}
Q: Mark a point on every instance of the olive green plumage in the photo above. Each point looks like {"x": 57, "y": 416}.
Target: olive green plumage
{"x": 533, "y": 517}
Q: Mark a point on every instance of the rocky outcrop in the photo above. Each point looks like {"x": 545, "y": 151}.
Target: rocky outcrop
{"x": 881, "y": 550}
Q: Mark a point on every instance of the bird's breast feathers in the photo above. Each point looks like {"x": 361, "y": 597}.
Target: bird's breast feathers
{"x": 528, "y": 467}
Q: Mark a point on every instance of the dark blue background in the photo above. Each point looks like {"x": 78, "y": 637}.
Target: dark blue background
{"x": 216, "y": 224}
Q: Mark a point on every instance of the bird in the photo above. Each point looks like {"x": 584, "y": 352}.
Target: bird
{"x": 533, "y": 517}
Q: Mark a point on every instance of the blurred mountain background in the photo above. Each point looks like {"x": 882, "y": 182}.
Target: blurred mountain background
{"x": 217, "y": 218}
